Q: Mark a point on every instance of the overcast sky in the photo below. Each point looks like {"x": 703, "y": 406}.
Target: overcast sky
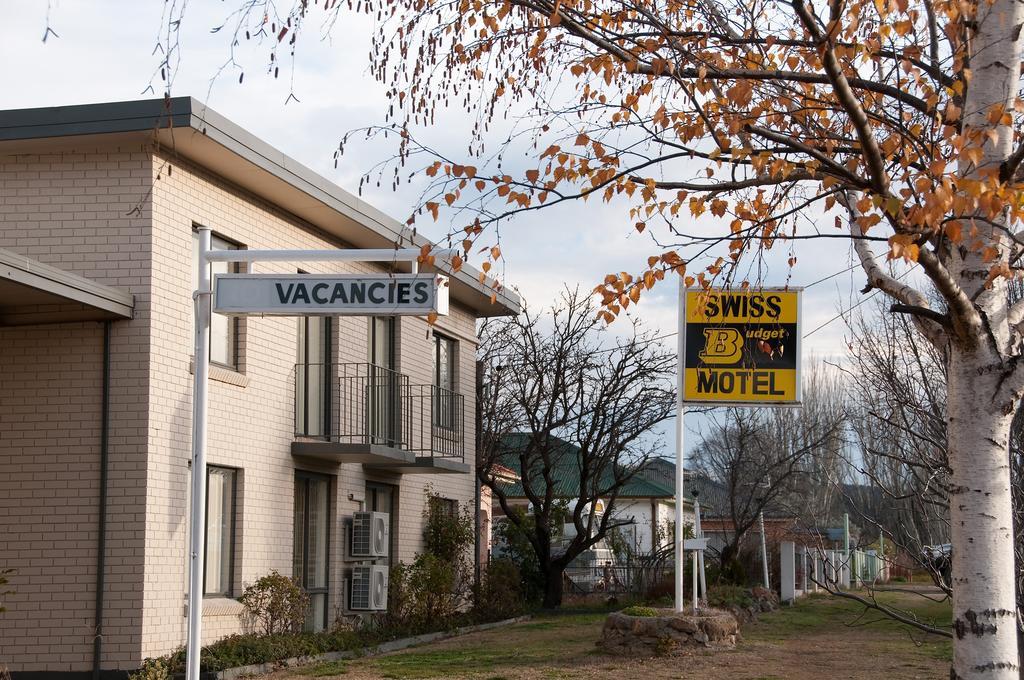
{"x": 103, "y": 51}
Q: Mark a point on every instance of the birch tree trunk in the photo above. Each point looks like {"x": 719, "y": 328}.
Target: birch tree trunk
{"x": 980, "y": 407}
{"x": 984, "y": 606}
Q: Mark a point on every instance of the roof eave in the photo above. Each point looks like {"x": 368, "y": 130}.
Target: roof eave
{"x": 183, "y": 125}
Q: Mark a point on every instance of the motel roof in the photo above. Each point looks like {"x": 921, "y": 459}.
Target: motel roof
{"x": 191, "y": 129}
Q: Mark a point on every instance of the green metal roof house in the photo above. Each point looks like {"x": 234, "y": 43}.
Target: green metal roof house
{"x": 647, "y": 504}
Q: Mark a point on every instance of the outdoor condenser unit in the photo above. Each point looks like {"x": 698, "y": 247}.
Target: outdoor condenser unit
{"x": 370, "y": 534}
{"x": 369, "y": 588}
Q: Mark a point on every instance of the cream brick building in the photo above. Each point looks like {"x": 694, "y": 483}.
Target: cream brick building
{"x": 310, "y": 421}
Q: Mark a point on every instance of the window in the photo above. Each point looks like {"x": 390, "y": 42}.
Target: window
{"x": 220, "y": 531}
{"x": 223, "y": 329}
{"x": 383, "y": 406}
{"x": 444, "y": 507}
{"x": 313, "y": 377}
{"x": 444, "y": 381}
{"x": 382, "y": 341}
{"x": 310, "y": 557}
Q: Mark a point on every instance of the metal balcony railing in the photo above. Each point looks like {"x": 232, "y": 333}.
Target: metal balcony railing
{"x": 439, "y": 421}
{"x": 352, "y": 404}
{"x": 368, "y": 404}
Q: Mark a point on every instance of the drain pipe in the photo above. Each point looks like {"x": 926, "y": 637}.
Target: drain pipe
{"x": 476, "y": 481}
{"x": 101, "y": 541}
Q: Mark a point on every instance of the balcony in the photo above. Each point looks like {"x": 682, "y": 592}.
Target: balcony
{"x": 362, "y": 413}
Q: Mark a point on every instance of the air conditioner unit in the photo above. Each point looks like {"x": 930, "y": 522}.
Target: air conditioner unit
{"x": 369, "y": 588}
{"x": 370, "y": 534}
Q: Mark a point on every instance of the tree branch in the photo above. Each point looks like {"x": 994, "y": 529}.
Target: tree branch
{"x": 941, "y": 319}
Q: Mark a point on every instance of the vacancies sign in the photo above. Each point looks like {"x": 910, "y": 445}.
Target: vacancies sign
{"x": 330, "y": 295}
{"x": 742, "y": 346}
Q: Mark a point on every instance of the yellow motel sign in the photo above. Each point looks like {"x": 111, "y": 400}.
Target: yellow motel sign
{"x": 741, "y": 346}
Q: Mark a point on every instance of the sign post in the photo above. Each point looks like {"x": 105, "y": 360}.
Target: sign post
{"x": 197, "y": 517}
{"x": 736, "y": 348}
{"x": 284, "y": 295}
{"x": 680, "y": 450}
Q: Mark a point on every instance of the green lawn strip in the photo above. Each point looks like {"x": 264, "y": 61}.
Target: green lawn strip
{"x": 820, "y": 614}
{"x": 551, "y": 641}
{"x": 557, "y": 642}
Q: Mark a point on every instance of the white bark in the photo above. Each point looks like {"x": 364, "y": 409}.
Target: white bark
{"x": 984, "y": 605}
{"x": 983, "y": 388}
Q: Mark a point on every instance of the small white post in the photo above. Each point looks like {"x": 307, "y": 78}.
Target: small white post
{"x": 699, "y": 533}
{"x": 680, "y": 454}
{"x": 846, "y": 568}
{"x": 694, "y": 565}
{"x": 764, "y": 553}
{"x": 787, "y": 571}
{"x": 816, "y": 566}
{"x": 804, "y": 571}
{"x": 197, "y": 518}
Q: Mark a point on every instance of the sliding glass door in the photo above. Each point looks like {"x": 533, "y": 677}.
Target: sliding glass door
{"x": 310, "y": 554}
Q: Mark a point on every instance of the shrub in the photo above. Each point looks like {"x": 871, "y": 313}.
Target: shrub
{"x": 733, "y": 572}
{"x": 275, "y": 604}
{"x": 152, "y": 669}
{"x": 637, "y": 610}
{"x": 730, "y": 596}
{"x": 4, "y": 573}
{"x": 500, "y": 594}
{"x": 448, "y": 530}
{"x": 426, "y": 593}
{"x": 516, "y": 547}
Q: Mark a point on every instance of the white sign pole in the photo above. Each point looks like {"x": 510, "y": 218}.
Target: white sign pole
{"x": 680, "y": 454}
{"x": 198, "y": 511}
{"x": 203, "y": 309}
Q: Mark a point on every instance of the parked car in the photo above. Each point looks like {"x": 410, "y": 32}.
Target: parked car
{"x": 940, "y": 559}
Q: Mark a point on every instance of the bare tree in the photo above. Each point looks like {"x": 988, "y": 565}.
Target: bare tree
{"x": 567, "y": 412}
{"x": 898, "y": 422}
{"x": 898, "y": 407}
{"x": 775, "y": 458}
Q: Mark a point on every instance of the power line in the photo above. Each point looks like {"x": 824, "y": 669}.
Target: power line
{"x": 835, "y": 318}
{"x": 809, "y": 285}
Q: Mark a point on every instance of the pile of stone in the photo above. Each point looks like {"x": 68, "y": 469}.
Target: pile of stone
{"x": 762, "y": 601}
{"x": 667, "y": 632}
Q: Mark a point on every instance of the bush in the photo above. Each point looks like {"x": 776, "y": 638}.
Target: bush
{"x": 4, "y": 573}
{"x": 516, "y": 548}
{"x": 727, "y": 596}
{"x": 423, "y": 594}
{"x": 637, "y": 610}
{"x": 448, "y": 532}
{"x": 275, "y": 604}
{"x": 733, "y": 572}
{"x": 152, "y": 669}
{"x": 500, "y": 594}
{"x": 251, "y": 649}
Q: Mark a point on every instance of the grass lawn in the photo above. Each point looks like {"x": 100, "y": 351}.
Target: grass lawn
{"x": 821, "y": 637}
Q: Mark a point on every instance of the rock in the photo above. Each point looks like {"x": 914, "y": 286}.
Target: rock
{"x": 719, "y": 627}
{"x": 668, "y": 633}
{"x": 687, "y": 625}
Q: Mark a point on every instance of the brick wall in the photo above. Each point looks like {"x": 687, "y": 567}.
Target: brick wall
{"x": 124, "y": 217}
{"x": 251, "y": 409}
{"x": 85, "y": 211}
